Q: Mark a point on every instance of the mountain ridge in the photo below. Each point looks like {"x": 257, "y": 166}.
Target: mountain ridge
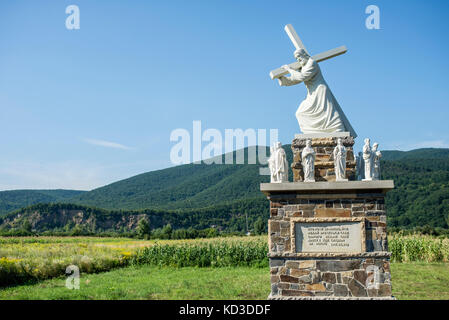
{"x": 420, "y": 197}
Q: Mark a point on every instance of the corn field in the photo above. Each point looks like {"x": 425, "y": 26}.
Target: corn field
{"x": 210, "y": 254}
{"x": 25, "y": 259}
{"x": 418, "y": 248}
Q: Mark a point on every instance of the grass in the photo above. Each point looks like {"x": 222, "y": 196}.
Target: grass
{"x": 141, "y": 269}
{"x": 411, "y": 281}
{"x": 147, "y": 282}
{"x": 23, "y": 259}
{"x": 420, "y": 281}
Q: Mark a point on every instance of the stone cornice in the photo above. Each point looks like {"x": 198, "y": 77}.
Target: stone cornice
{"x": 329, "y": 186}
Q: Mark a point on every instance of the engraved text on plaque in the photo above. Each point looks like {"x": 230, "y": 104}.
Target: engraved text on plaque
{"x": 328, "y": 237}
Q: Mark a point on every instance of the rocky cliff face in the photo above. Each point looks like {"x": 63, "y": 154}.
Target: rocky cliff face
{"x": 42, "y": 220}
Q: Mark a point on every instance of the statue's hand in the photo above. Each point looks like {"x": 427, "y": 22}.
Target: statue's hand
{"x": 286, "y": 67}
{"x": 281, "y": 80}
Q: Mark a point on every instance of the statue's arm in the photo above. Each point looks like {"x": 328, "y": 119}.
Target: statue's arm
{"x": 285, "y": 81}
{"x": 304, "y": 74}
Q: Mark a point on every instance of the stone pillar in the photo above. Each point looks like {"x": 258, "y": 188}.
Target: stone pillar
{"x": 328, "y": 240}
{"x": 324, "y": 145}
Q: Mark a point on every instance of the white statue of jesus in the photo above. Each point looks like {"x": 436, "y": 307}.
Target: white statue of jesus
{"x": 320, "y": 111}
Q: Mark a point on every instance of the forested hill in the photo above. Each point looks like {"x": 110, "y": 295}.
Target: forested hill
{"x": 425, "y": 153}
{"x": 201, "y": 185}
{"x": 16, "y": 199}
{"x": 421, "y": 195}
{"x": 182, "y": 187}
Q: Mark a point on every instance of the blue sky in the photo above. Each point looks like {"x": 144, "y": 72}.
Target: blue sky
{"x": 82, "y": 108}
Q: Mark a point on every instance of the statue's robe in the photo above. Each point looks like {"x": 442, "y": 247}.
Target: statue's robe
{"x": 308, "y": 163}
{"x": 340, "y": 162}
{"x": 376, "y": 164}
{"x": 281, "y": 165}
{"x": 320, "y": 111}
{"x": 368, "y": 161}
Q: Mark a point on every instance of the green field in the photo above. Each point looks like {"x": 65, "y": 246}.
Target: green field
{"x": 410, "y": 281}
{"x": 218, "y": 268}
{"x": 25, "y": 259}
{"x": 420, "y": 281}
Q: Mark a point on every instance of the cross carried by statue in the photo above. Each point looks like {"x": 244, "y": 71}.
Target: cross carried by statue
{"x": 320, "y": 111}
{"x": 299, "y": 45}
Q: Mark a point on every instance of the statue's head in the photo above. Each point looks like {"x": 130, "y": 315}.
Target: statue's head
{"x": 301, "y": 56}
{"x": 367, "y": 141}
{"x": 339, "y": 141}
{"x": 375, "y": 145}
{"x": 308, "y": 143}
{"x": 279, "y": 145}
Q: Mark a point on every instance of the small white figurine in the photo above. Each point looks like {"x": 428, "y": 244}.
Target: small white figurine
{"x": 278, "y": 164}
{"x": 308, "y": 162}
{"x": 376, "y": 155}
{"x": 340, "y": 161}
{"x": 368, "y": 159}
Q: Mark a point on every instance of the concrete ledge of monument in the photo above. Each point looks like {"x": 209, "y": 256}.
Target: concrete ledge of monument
{"x": 279, "y": 297}
{"x": 322, "y": 135}
{"x": 384, "y": 185}
{"x": 336, "y": 255}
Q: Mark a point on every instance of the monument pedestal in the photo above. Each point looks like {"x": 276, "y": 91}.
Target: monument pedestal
{"x": 328, "y": 240}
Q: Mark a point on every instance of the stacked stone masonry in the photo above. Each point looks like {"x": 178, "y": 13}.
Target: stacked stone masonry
{"x": 329, "y": 274}
{"x": 324, "y": 161}
{"x": 336, "y": 278}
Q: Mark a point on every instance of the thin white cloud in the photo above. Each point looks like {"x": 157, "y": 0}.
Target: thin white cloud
{"x": 107, "y": 144}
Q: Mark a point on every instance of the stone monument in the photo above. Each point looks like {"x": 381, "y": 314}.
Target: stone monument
{"x": 327, "y": 231}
